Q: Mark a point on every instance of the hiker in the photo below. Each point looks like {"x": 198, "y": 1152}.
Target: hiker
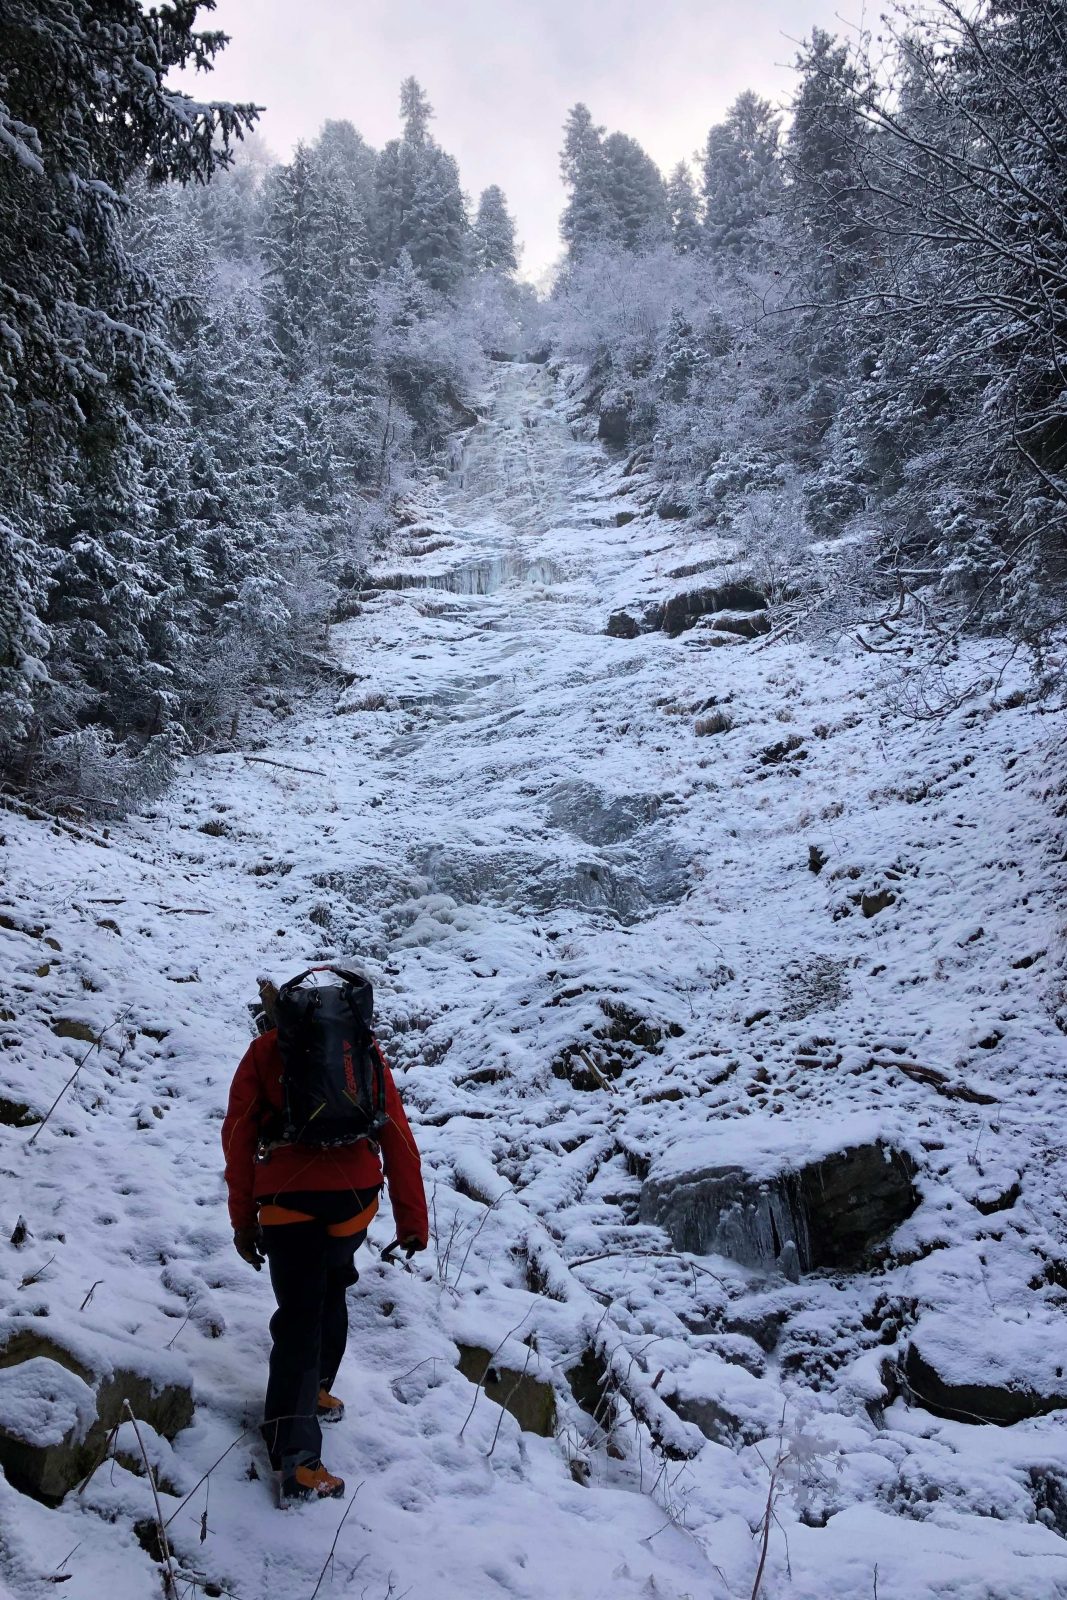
{"x": 313, "y": 1118}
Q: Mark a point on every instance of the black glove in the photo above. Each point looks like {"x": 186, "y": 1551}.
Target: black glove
{"x": 248, "y": 1242}
{"x": 409, "y": 1247}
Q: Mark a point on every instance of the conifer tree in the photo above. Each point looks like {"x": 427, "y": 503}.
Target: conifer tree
{"x": 742, "y": 180}
{"x": 585, "y": 217}
{"x": 419, "y": 205}
{"x": 84, "y": 107}
{"x": 494, "y": 233}
{"x": 634, "y": 194}
{"x": 683, "y": 210}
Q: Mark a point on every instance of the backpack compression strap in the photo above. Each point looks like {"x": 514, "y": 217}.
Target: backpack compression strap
{"x": 338, "y": 972}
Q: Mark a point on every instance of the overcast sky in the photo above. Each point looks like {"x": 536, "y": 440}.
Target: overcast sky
{"x": 502, "y": 74}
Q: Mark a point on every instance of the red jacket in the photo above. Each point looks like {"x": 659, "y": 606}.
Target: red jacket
{"x": 256, "y": 1093}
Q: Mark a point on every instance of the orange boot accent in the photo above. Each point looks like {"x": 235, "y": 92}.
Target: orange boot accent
{"x": 312, "y": 1482}
{"x": 329, "y": 1408}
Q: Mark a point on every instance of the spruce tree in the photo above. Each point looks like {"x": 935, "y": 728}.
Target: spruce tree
{"x": 742, "y": 180}
{"x": 683, "y": 210}
{"x": 634, "y": 193}
{"x": 585, "y": 218}
{"x": 494, "y": 233}
{"x": 84, "y": 379}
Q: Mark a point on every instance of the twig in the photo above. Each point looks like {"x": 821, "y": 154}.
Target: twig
{"x": 489, "y": 1367}
{"x": 97, "y": 1042}
{"x": 98, "y": 1463}
{"x": 474, "y": 1239}
{"x": 311, "y": 772}
{"x": 170, "y": 1582}
{"x": 672, "y": 1255}
{"x": 333, "y": 1546}
{"x": 504, "y": 1403}
{"x": 92, "y": 1290}
{"x": 34, "y": 1277}
{"x": 604, "y": 1082}
{"x": 181, "y": 1326}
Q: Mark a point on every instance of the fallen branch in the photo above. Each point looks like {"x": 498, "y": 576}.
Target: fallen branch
{"x": 181, "y": 911}
{"x": 333, "y": 1546}
{"x": 97, "y": 1042}
{"x": 170, "y": 1582}
{"x": 35, "y": 814}
{"x": 311, "y": 772}
{"x": 938, "y": 1081}
{"x": 673, "y": 1255}
{"x": 604, "y": 1081}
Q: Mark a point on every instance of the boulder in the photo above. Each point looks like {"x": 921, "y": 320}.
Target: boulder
{"x": 621, "y": 625}
{"x": 685, "y": 610}
{"x": 614, "y": 425}
{"x": 58, "y": 1406}
{"x": 831, "y": 1212}
{"x": 530, "y": 1400}
{"x": 987, "y": 1368}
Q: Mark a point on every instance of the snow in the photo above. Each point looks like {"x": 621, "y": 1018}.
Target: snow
{"x": 508, "y": 818}
{"x": 41, "y": 1402}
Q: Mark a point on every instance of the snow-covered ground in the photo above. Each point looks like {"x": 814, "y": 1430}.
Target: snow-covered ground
{"x": 600, "y": 952}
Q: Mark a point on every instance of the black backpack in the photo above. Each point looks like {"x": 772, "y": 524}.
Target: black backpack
{"x": 333, "y": 1078}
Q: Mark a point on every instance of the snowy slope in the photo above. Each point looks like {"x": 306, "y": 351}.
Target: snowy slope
{"x": 511, "y": 819}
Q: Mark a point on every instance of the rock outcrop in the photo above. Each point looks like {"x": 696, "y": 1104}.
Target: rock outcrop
{"x": 529, "y": 1400}
{"x": 57, "y": 1408}
{"x": 829, "y": 1213}
{"x": 987, "y": 1369}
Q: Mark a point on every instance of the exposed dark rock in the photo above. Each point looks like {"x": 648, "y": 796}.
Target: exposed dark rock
{"x": 788, "y": 749}
{"x": 671, "y": 510}
{"x": 71, "y": 1028}
{"x": 832, "y": 1213}
{"x": 623, "y": 517}
{"x": 1050, "y": 1499}
{"x": 16, "y": 1114}
{"x": 746, "y": 625}
{"x": 817, "y": 858}
{"x": 614, "y": 425}
{"x": 622, "y": 626}
{"x": 713, "y": 1419}
{"x": 685, "y": 610}
{"x": 590, "y": 1384}
{"x": 1012, "y": 1398}
{"x": 529, "y": 1400}
{"x": 58, "y": 1412}
{"x": 872, "y": 905}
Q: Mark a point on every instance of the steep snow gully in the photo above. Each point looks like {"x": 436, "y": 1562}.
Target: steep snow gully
{"x": 719, "y": 995}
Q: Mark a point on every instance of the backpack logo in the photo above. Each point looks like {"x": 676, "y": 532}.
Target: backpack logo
{"x": 350, "y": 1069}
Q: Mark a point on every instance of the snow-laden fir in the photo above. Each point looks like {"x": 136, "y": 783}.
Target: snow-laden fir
{"x": 634, "y": 908}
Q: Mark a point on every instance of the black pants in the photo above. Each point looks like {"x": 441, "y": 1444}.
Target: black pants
{"x": 309, "y": 1271}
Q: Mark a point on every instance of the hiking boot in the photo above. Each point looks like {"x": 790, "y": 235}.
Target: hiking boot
{"x": 311, "y": 1482}
{"x": 329, "y": 1408}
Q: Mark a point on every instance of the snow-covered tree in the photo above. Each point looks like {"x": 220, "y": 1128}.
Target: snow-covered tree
{"x": 494, "y": 233}
{"x": 683, "y": 210}
{"x": 742, "y": 180}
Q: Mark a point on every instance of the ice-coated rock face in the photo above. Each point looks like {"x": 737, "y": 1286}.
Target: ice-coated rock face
{"x": 477, "y": 577}
{"x": 831, "y": 1213}
{"x": 598, "y": 818}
